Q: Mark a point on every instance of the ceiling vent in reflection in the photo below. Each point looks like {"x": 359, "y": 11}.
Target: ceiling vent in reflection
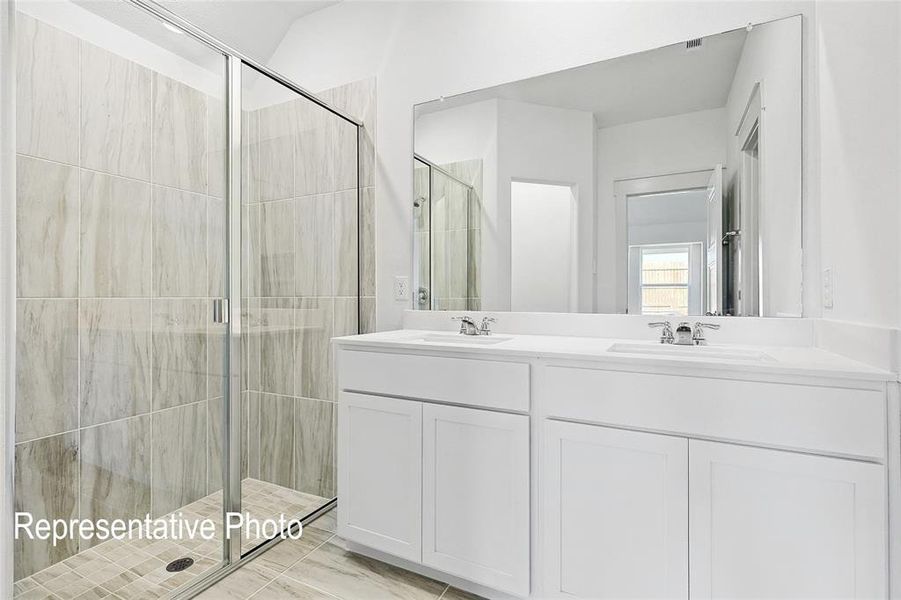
{"x": 694, "y": 44}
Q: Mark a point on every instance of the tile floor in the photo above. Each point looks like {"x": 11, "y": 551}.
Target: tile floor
{"x": 316, "y": 567}
{"x": 136, "y": 569}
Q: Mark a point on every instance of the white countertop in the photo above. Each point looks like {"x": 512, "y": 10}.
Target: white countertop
{"x": 791, "y": 361}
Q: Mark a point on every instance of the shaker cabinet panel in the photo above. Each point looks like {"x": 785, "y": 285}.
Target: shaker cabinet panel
{"x": 771, "y": 524}
{"x": 615, "y": 513}
{"x": 380, "y": 473}
{"x": 476, "y": 496}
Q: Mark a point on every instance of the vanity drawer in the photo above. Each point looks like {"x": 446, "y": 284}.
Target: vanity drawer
{"x": 850, "y": 422}
{"x": 482, "y": 383}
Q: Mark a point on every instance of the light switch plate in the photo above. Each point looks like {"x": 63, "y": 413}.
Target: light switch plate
{"x": 401, "y": 288}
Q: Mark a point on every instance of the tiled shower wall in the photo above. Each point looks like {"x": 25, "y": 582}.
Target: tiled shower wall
{"x": 120, "y": 249}
{"x": 301, "y": 277}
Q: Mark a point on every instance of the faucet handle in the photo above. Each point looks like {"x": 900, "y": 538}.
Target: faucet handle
{"x": 666, "y": 336}
{"x": 485, "y": 328}
{"x": 697, "y": 335}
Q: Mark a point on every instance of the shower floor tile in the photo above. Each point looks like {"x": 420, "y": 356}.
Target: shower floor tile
{"x": 129, "y": 570}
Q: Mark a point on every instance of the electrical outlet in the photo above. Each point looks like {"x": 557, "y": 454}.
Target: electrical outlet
{"x": 401, "y": 288}
{"x": 828, "y": 288}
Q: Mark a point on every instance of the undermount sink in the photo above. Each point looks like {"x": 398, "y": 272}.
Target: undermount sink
{"x": 458, "y": 338}
{"x": 719, "y": 352}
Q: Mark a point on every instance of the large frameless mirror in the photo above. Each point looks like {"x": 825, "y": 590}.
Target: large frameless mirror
{"x": 661, "y": 183}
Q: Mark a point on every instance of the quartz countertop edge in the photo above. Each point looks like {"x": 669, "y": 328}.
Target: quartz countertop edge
{"x": 788, "y": 360}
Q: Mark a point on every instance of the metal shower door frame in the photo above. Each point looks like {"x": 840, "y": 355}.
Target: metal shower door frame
{"x": 232, "y": 558}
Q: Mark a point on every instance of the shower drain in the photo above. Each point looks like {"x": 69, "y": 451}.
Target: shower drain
{"x": 179, "y": 564}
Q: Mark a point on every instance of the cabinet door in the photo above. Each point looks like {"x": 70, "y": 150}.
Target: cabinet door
{"x": 771, "y": 524}
{"x": 379, "y": 473}
{"x": 615, "y": 511}
{"x": 476, "y": 495}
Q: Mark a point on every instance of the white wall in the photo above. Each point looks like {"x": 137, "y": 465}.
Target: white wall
{"x": 544, "y": 144}
{"x": 542, "y": 266}
{"x": 420, "y": 51}
{"x": 689, "y": 142}
{"x": 859, "y": 63}
{"x": 768, "y": 58}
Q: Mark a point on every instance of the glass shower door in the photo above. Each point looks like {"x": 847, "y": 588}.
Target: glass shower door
{"x": 121, "y": 252}
{"x": 300, "y": 287}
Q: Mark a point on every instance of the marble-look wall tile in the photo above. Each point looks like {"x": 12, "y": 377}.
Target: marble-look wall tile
{"x": 251, "y": 250}
{"x": 179, "y": 457}
{"x": 46, "y": 229}
{"x": 115, "y": 236}
{"x": 46, "y": 367}
{"x": 217, "y": 251}
{"x": 367, "y": 241}
{"x": 358, "y": 99}
{"x": 314, "y": 447}
{"x": 313, "y": 168}
{"x": 46, "y": 485}
{"x": 115, "y": 114}
{"x": 179, "y": 352}
{"x": 315, "y": 243}
{"x": 179, "y": 243}
{"x": 214, "y": 443}
{"x": 180, "y": 157}
{"x": 421, "y": 190}
{"x": 474, "y": 260}
{"x": 277, "y": 350}
{"x": 346, "y": 247}
{"x": 342, "y": 151}
{"x": 46, "y": 91}
{"x": 313, "y": 357}
{"x": 346, "y": 316}
{"x": 277, "y": 253}
{"x": 251, "y": 342}
{"x": 252, "y": 423}
{"x": 250, "y": 156}
{"x": 277, "y": 125}
{"x": 216, "y": 147}
{"x": 367, "y": 315}
{"x": 115, "y": 359}
{"x": 276, "y": 439}
{"x": 115, "y": 470}
{"x": 217, "y": 338}
{"x": 326, "y": 152}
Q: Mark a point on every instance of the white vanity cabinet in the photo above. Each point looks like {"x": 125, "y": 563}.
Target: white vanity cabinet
{"x": 773, "y": 524}
{"x": 529, "y": 473}
{"x": 380, "y": 473}
{"x": 441, "y": 485}
{"x": 475, "y": 495}
{"x": 636, "y": 514}
{"x": 616, "y": 510}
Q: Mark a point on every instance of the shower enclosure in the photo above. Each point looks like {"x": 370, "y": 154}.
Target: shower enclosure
{"x": 190, "y": 229}
{"x": 447, "y": 241}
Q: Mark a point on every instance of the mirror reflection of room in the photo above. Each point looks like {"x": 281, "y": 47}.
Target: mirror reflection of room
{"x": 661, "y": 183}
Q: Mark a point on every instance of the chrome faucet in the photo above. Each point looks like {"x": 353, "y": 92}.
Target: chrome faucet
{"x": 666, "y": 335}
{"x": 684, "y": 334}
{"x": 469, "y": 327}
{"x": 697, "y": 336}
